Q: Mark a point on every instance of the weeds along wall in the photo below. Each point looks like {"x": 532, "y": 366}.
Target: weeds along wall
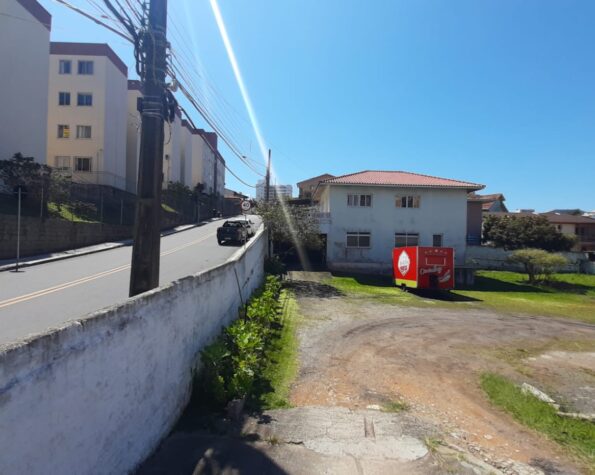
{"x": 97, "y": 395}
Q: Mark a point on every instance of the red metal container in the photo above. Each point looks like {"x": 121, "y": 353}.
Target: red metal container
{"x": 424, "y": 267}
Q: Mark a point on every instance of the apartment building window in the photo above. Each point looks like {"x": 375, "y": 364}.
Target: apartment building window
{"x": 359, "y": 200}
{"x": 65, "y": 66}
{"x": 63, "y": 131}
{"x": 62, "y": 163}
{"x": 82, "y": 164}
{"x": 84, "y": 99}
{"x": 406, "y": 239}
{"x": 437, "y": 240}
{"x": 83, "y": 131}
{"x": 64, "y": 98}
{"x": 85, "y": 67}
{"x": 358, "y": 240}
{"x": 408, "y": 201}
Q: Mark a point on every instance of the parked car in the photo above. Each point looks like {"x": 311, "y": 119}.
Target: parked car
{"x": 232, "y": 231}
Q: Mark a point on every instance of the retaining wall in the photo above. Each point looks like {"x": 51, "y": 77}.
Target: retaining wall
{"x": 493, "y": 258}
{"x": 97, "y": 395}
{"x": 54, "y": 235}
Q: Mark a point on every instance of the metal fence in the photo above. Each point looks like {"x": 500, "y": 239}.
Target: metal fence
{"x": 62, "y": 198}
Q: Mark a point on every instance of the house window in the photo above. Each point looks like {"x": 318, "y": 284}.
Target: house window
{"x": 83, "y": 131}
{"x": 437, "y": 240}
{"x": 64, "y": 98}
{"x": 358, "y": 240}
{"x": 406, "y": 239}
{"x": 64, "y": 66}
{"x": 64, "y": 131}
{"x": 82, "y": 164}
{"x": 84, "y": 99}
{"x": 62, "y": 163}
{"x": 85, "y": 67}
{"x": 359, "y": 200}
{"x": 409, "y": 201}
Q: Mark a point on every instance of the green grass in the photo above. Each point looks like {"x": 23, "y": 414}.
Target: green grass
{"x": 168, "y": 208}
{"x": 568, "y": 295}
{"x": 65, "y": 212}
{"x": 282, "y": 367}
{"x": 376, "y": 287}
{"x": 576, "y": 435}
{"x": 395, "y": 406}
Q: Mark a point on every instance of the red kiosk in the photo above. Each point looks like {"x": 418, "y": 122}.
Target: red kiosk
{"x": 424, "y": 267}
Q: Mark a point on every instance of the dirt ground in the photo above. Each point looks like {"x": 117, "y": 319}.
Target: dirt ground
{"x": 356, "y": 353}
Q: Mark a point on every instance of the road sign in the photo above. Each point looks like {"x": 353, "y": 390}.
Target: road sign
{"x": 246, "y": 205}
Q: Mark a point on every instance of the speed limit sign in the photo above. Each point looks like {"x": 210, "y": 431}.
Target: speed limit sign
{"x": 246, "y": 205}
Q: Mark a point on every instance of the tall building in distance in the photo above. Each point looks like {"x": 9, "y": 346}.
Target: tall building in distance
{"x": 276, "y": 191}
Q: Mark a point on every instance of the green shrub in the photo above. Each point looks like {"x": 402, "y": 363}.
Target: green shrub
{"x": 231, "y": 363}
{"x": 538, "y": 263}
{"x": 273, "y": 265}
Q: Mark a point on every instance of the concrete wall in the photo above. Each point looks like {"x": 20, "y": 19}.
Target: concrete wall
{"x": 441, "y": 211}
{"x": 97, "y": 395}
{"x": 494, "y": 258}
{"x": 53, "y": 235}
{"x": 24, "y": 56}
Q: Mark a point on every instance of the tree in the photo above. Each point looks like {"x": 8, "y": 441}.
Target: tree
{"x": 24, "y": 171}
{"x": 519, "y": 232}
{"x": 294, "y": 226}
{"x": 538, "y": 262}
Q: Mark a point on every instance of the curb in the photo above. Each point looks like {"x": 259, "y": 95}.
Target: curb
{"x": 116, "y": 245}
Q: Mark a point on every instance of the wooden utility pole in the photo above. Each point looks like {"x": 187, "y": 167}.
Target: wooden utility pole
{"x": 267, "y": 189}
{"x": 144, "y": 272}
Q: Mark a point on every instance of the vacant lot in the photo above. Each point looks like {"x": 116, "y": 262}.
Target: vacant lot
{"x": 362, "y": 343}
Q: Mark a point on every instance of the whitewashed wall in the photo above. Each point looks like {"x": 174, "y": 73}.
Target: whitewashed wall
{"x": 97, "y": 395}
{"x": 442, "y": 211}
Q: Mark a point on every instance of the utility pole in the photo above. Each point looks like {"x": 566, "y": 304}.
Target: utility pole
{"x": 267, "y": 185}
{"x": 144, "y": 272}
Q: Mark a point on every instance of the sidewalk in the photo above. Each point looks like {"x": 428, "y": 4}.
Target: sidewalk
{"x": 10, "y": 264}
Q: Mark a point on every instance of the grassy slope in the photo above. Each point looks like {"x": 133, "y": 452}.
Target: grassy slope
{"x": 576, "y": 435}
{"x": 282, "y": 366}
{"x": 570, "y": 295}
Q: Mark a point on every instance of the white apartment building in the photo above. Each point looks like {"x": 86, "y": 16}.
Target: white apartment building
{"x": 87, "y": 110}
{"x": 172, "y": 149}
{"x": 201, "y": 161}
{"x": 365, "y": 215}
{"x": 24, "y": 55}
{"x": 276, "y": 191}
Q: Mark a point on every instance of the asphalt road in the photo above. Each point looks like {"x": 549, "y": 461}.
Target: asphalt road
{"x": 44, "y": 296}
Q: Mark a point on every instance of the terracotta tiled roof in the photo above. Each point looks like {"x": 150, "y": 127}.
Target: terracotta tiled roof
{"x": 401, "y": 179}
{"x": 316, "y": 179}
{"x": 559, "y": 218}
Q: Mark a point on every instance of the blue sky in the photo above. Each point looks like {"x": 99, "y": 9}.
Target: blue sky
{"x": 497, "y": 92}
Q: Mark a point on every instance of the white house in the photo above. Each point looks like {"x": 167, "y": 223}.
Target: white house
{"x": 172, "y": 148}
{"x": 24, "y": 55}
{"x": 86, "y": 128}
{"x": 365, "y": 215}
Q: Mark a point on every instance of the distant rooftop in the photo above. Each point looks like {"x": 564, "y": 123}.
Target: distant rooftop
{"x": 401, "y": 179}
{"x": 89, "y": 49}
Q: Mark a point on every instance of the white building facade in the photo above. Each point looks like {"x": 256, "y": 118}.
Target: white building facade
{"x": 87, "y": 110}
{"x": 24, "y": 54}
{"x": 365, "y": 215}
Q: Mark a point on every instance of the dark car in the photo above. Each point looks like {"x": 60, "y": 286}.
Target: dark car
{"x": 232, "y": 231}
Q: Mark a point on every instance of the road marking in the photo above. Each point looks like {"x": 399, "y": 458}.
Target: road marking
{"x": 83, "y": 280}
